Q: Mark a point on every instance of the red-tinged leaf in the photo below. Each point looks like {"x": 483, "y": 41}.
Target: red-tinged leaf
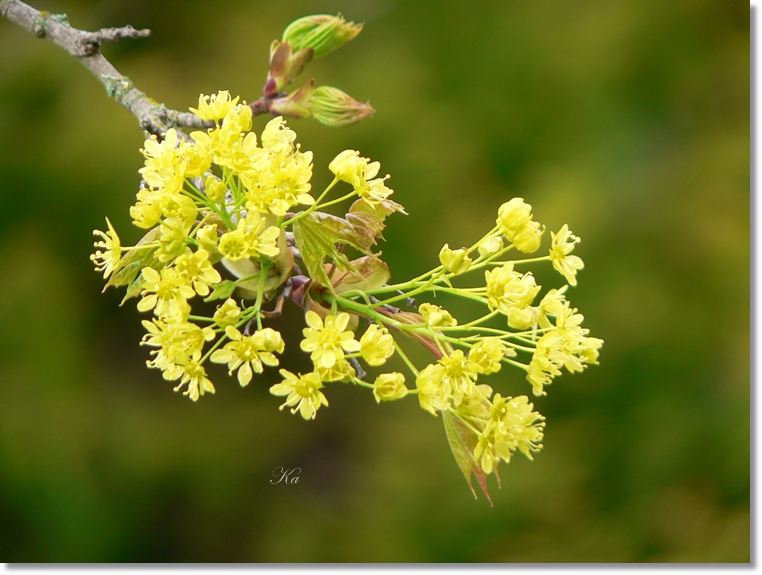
{"x": 462, "y": 441}
{"x": 379, "y": 209}
{"x": 371, "y": 273}
{"x": 425, "y": 339}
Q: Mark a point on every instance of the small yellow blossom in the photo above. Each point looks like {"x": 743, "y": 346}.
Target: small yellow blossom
{"x": 432, "y": 394}
{"x": 509, "y": 292}
{"x": 250, "y": 239}
{"x": 376, "y": 345}
{"x": 176, "y": 341}
{"x": 328, "y": 341}
{"x": 487, "y": 355}
{"x": 248, "y": 353}
{"x": 198, "y": 271}
{"x": 207, "y": 237}
{"x": 108, "y": 260}
{"x": 214, "y": 107}
{"x": 435, "y": 316}
{"x": 227, "y": 314}
{"x": 459, "y": 376}
{"x": 515, "y": 222}
{"x": 215, "y": 189}
{"x": 192, "y": 374}
{"x": 389, "y": 386}
{"x": 350, "y": 167}
{"x": 455, "y": 261}
{"x": 303, "y": 393}
{"x": 562, "y": 245}
{"x": 174, "y": 232}
{"x": 166, "y": 293}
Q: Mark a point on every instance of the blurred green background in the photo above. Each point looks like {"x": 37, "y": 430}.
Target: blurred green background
{"x": 629, "y": 120}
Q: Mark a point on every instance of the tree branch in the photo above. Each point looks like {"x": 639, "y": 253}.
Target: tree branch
{"x": 153, "y": 117}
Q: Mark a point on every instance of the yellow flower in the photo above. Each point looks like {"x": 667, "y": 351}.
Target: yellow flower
{"x": 459, "y": 375}
{"x": 328, "y": 342}
{"x": 487, "y": 355}
{"x": 191, "y": 373}
{"x": 562, "y": 245}
{"x": 303, "y": 393}
{"x": 198, "y": 271}
{"x": 227, "y": 314}
{"x": 107, "y": 261}
{"x": 435, "y": 316}
{"x": 214, "y": 107}
{"x": 432, "y": 394}
{"x": 376, "y": 345}
{"x": 455, "y": 261}
{"x": 250, "y": 239}
{"x": 248, "y": 353}
{"x": 166, "y": 292}
{"x": 215, "y": 189}
{"x": 207, "y": 237}
{"x": 176, "y": 341}
{"x": 350, "y": 167}
{"x": 515, "y": 222}
{"x": 389, "y": 386}
{"x": 510, "y": 292}
{"x": 174, "y": 232}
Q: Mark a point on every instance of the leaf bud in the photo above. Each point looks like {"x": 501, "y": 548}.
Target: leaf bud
{"x": 322, "y": 33}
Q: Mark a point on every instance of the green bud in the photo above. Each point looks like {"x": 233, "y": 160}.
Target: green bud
{"x": 332, "y": 107}
{"x": 321, "y": 32}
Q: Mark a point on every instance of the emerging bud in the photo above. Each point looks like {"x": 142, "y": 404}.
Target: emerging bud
{"x": 295, "y": 104}
{"x": 285, "y": 65}
{"x": 332, "y": 107}
{"x": 322, "y": 33}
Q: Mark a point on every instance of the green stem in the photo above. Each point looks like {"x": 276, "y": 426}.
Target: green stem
{"x": 314, "y": 206}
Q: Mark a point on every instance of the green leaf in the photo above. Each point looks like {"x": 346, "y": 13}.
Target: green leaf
{"x": 462, "y": 442}
{"x": 371, "y": 273}
{"x": 316, "y": 236}
{"x": 368, "y": 219}
{"x": 222, "y": 290}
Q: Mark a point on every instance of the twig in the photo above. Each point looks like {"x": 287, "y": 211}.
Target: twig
{"x": 153, "y": 117}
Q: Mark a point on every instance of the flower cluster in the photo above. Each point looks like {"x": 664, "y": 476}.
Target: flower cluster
{"x": 231, "y": 218}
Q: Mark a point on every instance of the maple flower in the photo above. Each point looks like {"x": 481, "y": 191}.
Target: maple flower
{"x": 166, "y": 293}
{"x": 192, "y": 374}
{"x": 509, "y": 292}
{"x": 107, "y": 261}
{"x": 436, "y": 316}
{"x": 227, "y": 314}
{"x": 214, "y": 107}
{"x": 248, "y": 353}
{"x": 198, "y": 271}
{"x": 486, "y": 355}
{"x": 562, "y": 245}
{"x": 455, "y": 261}
{"x": 328, "y": 341}
{"x": 176, "y": 341}
{"x": 389, "y": 386}
{"x": 376, "y": 345}
{"x": 432, "y": 394}
{"x": 303, "y": 393}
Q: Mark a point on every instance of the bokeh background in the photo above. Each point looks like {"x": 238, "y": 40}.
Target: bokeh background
{"x": 629, "y": 120}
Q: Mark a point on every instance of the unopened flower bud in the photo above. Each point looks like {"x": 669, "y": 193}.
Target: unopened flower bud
{"x": 455, "y": 261}
{"x": 294, "y": 105}
{"x": 389, "y": 386}
{"x": 215, "y": 189}
{"x": 513, "y": 215}
{"x": 322, "y": 33}
{"x": 207, "y": 237}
